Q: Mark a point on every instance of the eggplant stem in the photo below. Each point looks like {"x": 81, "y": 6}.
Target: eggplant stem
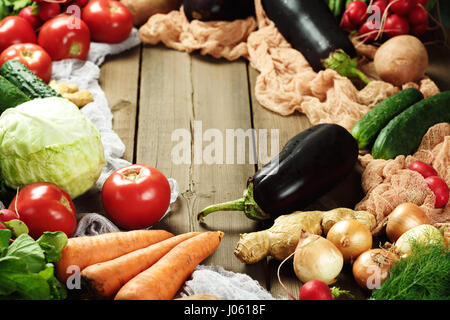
{"x": 235, "y": 205}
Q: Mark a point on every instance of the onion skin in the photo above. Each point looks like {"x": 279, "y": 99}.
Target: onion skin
{"x": 421, "y": 233}
{"x": 351, "y": 237}
{"x": 317, "y": 258}
{"x": 403, "y": 218}
{"x": 372, "y": 268}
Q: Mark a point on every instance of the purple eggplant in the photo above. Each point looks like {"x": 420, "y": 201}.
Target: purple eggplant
{"x": 212, "y": 10}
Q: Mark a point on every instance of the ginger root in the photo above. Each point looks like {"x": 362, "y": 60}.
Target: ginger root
{"x": 70, "y": 91}
{"x": 281, "y": 239}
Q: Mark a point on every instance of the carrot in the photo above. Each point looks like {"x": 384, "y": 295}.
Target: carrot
{"x": 88, "y": 250}
{"x": 104, "y": 279}
{"x": 163, "y": 279}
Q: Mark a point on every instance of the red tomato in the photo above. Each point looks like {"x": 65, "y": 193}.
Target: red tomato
{"x": 136, "y": 196}
{"x": 31, "y": 55}
{"x": 65, "y": 36}
{"x": 15, "y": 29}
{"x": 440, "y": 190}
{"x": 33, "y": 18}
{"x": 315, "y": 290}
{"x": 48, "y": 10}
{"x": 110, "y": 21}
{"x": 44, "y": 206}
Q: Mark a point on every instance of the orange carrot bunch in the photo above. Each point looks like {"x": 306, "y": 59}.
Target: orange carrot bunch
{"x": 136, "y": 265}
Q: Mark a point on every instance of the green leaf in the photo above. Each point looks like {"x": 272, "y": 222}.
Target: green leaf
{"x": 17, "y": 283}
{"x": 5, "y": 235}
{"x": 29, "y": 250}
{"x": 17, "y": 227}
{"x": 52, "y": 243}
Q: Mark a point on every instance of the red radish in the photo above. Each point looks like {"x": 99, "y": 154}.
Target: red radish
{"x": 378, "y": 7}
{"x": 370, "y": 30}
{"x": 440, "y": 190}
{"x": 357, "y": 12}
{"x": 423, "y": 168}
{"x": 48, "y": 10}
{"x": 422, "y": 2}
{"x": 418, "y": 15}
{"x": 396, "y": 25}
{"x": 315, "y": 290}
{"x": 6, "y": 215}
{"x": 33, "y": 18}
{"x": 346, "y": 23}
{"x": 2, "y": 226}
{"x": 419, "y": 29}
{"x": 402, "y": 7}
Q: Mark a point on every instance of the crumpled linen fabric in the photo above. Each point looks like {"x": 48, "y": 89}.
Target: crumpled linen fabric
{"x": 286, "y": 82}
{"x": 224, "y": 284}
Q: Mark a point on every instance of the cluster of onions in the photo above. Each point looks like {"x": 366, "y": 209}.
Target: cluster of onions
{"x": 351, "y": 237}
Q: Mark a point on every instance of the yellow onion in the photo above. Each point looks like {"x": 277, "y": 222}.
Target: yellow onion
{"x": 425, "y": 233}
{"x": 372, "y": 268}
{"x": 403, "y": 218}
{"x": 317, "y": 258}
{"x": 351, "y": 237}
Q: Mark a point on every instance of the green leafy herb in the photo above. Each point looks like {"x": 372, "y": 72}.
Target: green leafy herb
{"x": 424, "y": 275}
{"x": 26, "y": 268}
{"x": 12, "y": 7}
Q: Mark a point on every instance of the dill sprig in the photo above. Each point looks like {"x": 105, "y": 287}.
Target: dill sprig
{"x": 424, "y": 275}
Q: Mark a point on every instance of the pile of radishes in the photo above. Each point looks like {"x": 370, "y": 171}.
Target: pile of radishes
{"x": 387, "y": 18}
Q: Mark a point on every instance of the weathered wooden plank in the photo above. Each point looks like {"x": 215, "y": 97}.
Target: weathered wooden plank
{"x": 221, "y": 102}
{"x": 119, "y": 78}
{"x": 165, "y": 106}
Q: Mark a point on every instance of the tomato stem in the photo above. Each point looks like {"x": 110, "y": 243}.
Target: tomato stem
{"x": 132, "y": 174}
{"x": 75, "y": 49}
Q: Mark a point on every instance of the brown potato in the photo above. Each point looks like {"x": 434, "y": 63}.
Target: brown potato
{"x": 401, "y": 59}
{"x": 142, "y": 10}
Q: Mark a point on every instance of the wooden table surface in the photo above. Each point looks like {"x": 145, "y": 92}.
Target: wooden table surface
{"x": 153, "y": 91}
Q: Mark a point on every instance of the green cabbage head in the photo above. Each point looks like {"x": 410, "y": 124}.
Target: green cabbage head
{"x": 50, "y": 140}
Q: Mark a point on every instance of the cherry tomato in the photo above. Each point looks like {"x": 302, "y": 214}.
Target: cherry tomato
{"x": 31, "y": 55}
{"x": 7, "y": 215}
{"x": 423, "y": 168}
{"x": 110, "y": 21}
{"x": 136, "y": 196}
{"x": 315, "y": 290}
{"x": 32, "y": 17}
{"x": 440, "y": 190}
{"x": 44, "y": 206}
{"x": 48, "y": 10}
{"x": 65, "y": 36}
{"x": 15, "y": 29}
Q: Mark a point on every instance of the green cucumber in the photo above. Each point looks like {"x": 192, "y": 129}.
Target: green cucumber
{"x": 404, "y": 133}
{"x": 10, "y": 95}
{"x": 366, "y": 130}
{"x": 22, "y": 77}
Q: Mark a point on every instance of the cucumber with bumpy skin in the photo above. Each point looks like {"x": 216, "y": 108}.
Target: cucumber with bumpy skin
{"x": 24, "y": 79}
{"x": 365, "y": 131}
{"x": 10, "y": 95}
{"x": 404, "y": 133}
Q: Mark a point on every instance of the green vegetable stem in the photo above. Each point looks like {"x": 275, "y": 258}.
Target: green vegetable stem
{"x": 345, "y": 66}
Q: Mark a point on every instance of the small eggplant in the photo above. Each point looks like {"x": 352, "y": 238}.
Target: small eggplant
{"x": 210, "y": 10}
{"x": 309, "y": 166}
